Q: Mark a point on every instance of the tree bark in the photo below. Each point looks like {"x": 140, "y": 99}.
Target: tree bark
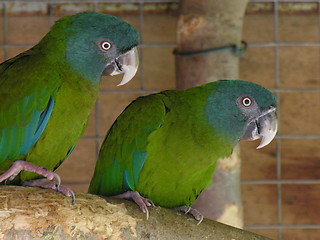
{"x": 205, "y": 25}
{"x": 34, "y": 213}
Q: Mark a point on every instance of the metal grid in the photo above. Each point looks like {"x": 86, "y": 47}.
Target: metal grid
{"x": 279, "y": 182}
{"x": 277, "y": 90}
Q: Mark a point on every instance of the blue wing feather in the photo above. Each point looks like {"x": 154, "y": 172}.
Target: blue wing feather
{"x": 128, "y": 183}
{"x": 44, "y": 118}
{"x": 30, "y": 130}
{"x": 131, "y": 177}
{"x": 70, "y": 150}
{"x": 16, "y": 140}
{"x": 138, "y": 162}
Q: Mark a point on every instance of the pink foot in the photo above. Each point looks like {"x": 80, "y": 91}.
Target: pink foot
{"x": 143, "y": 203}
{"x": 194, "y": 212}
{"x": 45, "y": 183}
{"x": 20, "y": 165}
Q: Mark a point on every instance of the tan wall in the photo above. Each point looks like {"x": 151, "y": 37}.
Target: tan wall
{"x": 283, "y": 55}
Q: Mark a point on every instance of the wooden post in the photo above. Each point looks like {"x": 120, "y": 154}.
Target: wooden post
{"x": 203, "y": 25}
{"x": 34, "y": 213}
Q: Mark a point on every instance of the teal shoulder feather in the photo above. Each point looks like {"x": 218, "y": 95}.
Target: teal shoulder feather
{"x": 119, "y": 165}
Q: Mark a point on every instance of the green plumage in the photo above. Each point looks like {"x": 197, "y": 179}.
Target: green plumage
{"x": 47, "y": 92}
{"x": 166, "y": 145}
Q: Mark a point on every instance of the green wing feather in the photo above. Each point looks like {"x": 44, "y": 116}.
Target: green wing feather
{"x": 123, "y": 151}
{"x": 23, "y": 97}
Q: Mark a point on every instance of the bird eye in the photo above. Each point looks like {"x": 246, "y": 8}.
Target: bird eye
{"x": 246, "y": 101}
{"x": 105, "y": 45}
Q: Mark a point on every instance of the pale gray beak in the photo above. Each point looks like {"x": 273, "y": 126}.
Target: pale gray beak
{"x": 265, "y": 127}
{"x": 127, "y": 63}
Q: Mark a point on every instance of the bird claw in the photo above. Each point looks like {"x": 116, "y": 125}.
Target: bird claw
{"x": 21, "y": 165}
{"x": 192, "y": 211}
{"x": 51, "y": 180}
{"x": 73, "y": 197}
{"x": 142, "y": 202}
{"x": 46, "y": 183}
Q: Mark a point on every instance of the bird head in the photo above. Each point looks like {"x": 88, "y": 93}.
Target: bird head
{"x": 242, "y": 110}
{"x": 97, "y": 44}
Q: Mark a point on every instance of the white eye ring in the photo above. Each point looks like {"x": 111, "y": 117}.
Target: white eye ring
{"x": 105, "y": 45}
{"x": 246, "y": 101}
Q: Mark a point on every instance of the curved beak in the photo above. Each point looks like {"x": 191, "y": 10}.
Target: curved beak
{"x": 264, "y": 126}
{"x": 127, "y": 63}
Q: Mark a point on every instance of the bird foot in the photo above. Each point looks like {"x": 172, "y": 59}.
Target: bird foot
{"x": 45, "y": 183}
{"x": 194, "y": 212}
{"x": 51, "y": 180}
{"x": 142, "y": 202}
{"x": 21, "y": 165}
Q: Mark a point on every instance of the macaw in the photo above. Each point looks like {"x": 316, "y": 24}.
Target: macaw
{"x": 47, "y": 92}
{"x": 164, "y": 147}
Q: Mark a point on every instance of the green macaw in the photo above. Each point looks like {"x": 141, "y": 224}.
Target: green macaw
{"x": 165, "y": 146}
{"x": 47, "y": 92}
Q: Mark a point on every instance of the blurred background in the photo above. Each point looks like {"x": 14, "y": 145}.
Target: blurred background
{"x": 280, "y": 183}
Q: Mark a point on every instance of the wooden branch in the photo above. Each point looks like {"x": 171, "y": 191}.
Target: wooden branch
{"x": 29, "y": 213}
